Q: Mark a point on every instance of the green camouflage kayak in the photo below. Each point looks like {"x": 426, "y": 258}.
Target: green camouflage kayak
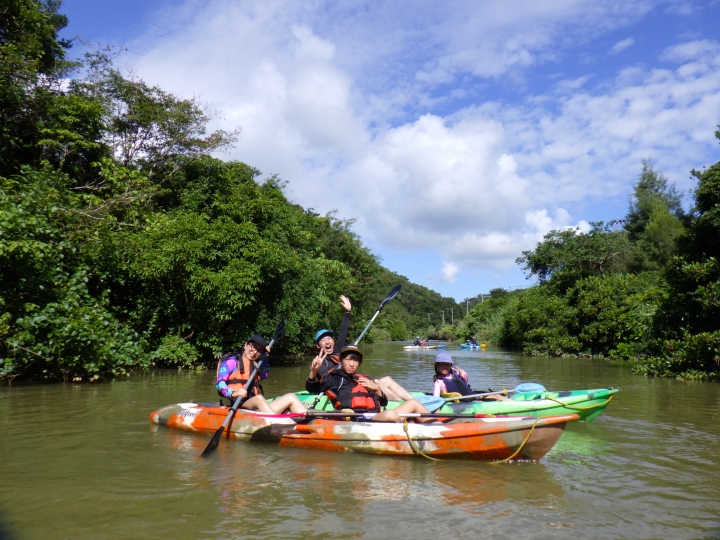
{"x": 588, "y": 404}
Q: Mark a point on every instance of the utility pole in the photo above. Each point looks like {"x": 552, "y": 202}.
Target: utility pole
{"x": 443, "y": 316}
{"x": 467, "y": 308}
{"x": 428, "y": 317}
{"x": 452, "y": 316}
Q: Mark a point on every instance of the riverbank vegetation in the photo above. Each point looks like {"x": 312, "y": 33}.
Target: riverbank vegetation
{"x": 645, "y": 289}
{"x": 125, "y": 244}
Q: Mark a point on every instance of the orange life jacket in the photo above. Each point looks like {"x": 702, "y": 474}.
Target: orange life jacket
{"x": 350, "y": 394}
{"x": 239, "y": 376}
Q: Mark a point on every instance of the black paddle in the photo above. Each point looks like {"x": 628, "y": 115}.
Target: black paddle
{"x": 392, "y": 294}
{"x": 340, "y": 414}
{"x": 212, "y": 445}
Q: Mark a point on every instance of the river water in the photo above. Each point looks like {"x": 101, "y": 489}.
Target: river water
{"x": 81, "y": 461}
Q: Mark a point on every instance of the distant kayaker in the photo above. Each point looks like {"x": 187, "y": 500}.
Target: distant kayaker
{"x": 449, "y": 379}
{"x": 233, "y": 374}
{"x": 474, "y": 341}
{"x": 328, "y": 357}
{"x": 417, "y": 342}
{"x": 348, "y": 390}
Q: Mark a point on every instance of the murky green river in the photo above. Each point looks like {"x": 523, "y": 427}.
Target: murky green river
{"x": 83, "y": 462}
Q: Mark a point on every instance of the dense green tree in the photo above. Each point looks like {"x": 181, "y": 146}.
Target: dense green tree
{"x": 651, "y": 193}
{"x": 55, "y": 325}
{"x": 485, "y": 319}
{"x": 610, "y": 316}
{"x": 32, "y": 63}
{"x": 688, "y": 322}
{"x": 569, "y": 255}
{"x": 123, "y": 242}
{"x": 654, "y": 220}
{"x": 541, "y": 322}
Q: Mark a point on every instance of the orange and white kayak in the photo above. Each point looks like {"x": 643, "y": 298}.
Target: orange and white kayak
{"x": 498, "y": 438}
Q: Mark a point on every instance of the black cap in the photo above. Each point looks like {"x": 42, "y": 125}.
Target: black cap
{"x": 256, "y": 338}
{"x": 351, "y": 349}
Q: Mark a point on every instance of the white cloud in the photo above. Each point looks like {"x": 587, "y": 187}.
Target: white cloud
{"x": 691, "y": 50}
{"x": 325, "y": 94}
{"x": 622, "y": 45}
{"x": 449, "y": 272}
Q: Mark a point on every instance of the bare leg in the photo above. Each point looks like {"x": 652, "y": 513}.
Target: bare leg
{"x": 288, "y": 401}
{"x": 393, "y": 390}
{"x": 411, "y": 406}
{"x": 257, "y": 403}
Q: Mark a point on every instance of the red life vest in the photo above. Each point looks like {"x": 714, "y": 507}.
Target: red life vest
{"x": 239, "y": 376}
{"x": 350, "y": 394}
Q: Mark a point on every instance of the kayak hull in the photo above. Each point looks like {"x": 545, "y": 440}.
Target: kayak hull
{"x": 491, "y": 439}
{"x": 419, "y": 347}
{"x": 587, "y": 404}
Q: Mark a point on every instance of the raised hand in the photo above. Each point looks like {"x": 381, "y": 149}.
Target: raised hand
{"x": 345, "y": 303}
{"x": 316, "y": 363}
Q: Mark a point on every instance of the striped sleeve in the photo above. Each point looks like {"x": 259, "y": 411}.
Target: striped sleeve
{"x": 226, "y": 368}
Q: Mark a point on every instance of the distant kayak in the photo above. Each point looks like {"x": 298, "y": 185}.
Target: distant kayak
{"x": 469, "y": 346}
{"x": 419, "y": 347}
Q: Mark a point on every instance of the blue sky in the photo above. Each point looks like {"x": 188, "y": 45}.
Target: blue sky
{"x": 456, "y": 133}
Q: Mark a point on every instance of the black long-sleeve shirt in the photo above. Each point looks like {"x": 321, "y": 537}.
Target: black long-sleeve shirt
{"x": 313, "y": 386}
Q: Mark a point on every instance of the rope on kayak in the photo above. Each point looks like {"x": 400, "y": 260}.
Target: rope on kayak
{"x": 576, "y": 408}
{"x": 414, "y": 446}
{"x": 521, "y": 446}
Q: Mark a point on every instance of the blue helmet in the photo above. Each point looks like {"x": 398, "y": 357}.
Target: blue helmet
{"x": 322, "y": 333}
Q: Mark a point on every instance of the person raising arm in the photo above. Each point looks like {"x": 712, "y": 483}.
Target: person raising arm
{"x": 328, "y": 349}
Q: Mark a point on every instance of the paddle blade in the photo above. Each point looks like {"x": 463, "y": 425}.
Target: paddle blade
{"x": 390, "y": 296}
{"x": 212, "y": 445}
{"x": 279, "y": 331}
{"x": 530, "y": 387}
{"x": 431, "y": 403}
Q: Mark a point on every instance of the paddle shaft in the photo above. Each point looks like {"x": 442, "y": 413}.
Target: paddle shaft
{"x": 216, "y": 437}
{"x": 502, "y": 392}
{"x": 472, "y": 396}
{"x": 240, "y": 399}
{"x": 389, "y": 297}
{"x": 366, "y": 328}
{"x": 334, "y": 414}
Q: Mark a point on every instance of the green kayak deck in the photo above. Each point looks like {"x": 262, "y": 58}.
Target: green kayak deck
{"x": 588, "y": 404}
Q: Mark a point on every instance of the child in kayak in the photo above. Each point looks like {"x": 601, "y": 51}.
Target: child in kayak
{"x": 449, "y": 379}
{"x": 348, "y": 390}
